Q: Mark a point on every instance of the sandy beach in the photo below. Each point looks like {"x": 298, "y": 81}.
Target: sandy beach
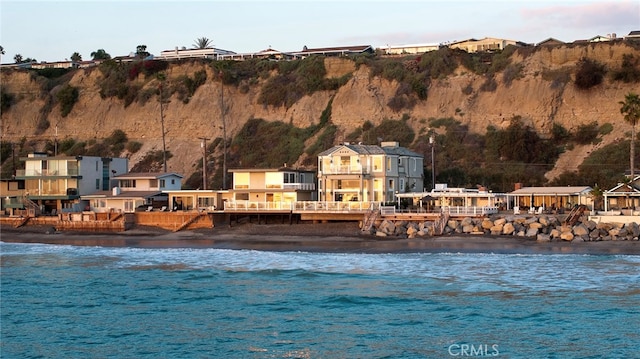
{"x": 329, "y": 237}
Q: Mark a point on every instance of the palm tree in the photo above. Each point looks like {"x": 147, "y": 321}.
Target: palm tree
{"x": 202, "y": 43}
{"x": 17, "y": 58}
{"x": 100, "y": 55}
{"x": 1, "y": 50}
{"x": 597, "y": 195}
{"x": 76, "y": 57}
{"x": 631, "y": 110}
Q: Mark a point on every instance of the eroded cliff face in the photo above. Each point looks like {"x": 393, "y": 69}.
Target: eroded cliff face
{"x": 533, "y": 96}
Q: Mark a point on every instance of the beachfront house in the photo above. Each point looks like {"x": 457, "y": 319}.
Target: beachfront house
{"x": 271, "y": 188}
{"x": 197, "y": 199}
{"x": 11, "y": 195}
{"x": 142, "y": 191}
{"x": 55, "y": 184}
{"x": 560, "y": 198}
{"x": 455, "y": 201}
{"x": 624, "y": 198}
{"x": 368, "y": 173}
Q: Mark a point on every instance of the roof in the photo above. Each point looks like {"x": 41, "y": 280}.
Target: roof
{"x": 146, "y": 175}
{"x": 567, "y": 190}
{"x": 634, "y": 33}
{"x": 123, "y": 194}
{"x": 550, "y": 40}
{"x": 341, "y": 49}
{"x": 372, "y": 150}
{"x": 281, "y": 169}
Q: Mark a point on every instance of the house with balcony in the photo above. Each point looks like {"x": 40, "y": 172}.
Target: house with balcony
{"x": 11, "y": 196}
{"x": 56, "y": 183}
{"x": 368, "y": 173}
{"x": 131, "y": 191}
{"x": 270, "y": 189}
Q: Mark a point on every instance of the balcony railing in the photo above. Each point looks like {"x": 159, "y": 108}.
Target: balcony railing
{"x": 289, "y": 186}
{"x": 345, "y": 169}
{"x": 46, "y": 173}
{"x": 351, "y": 207}
{"x": 302, "y": 206}
{"x": 300, "y": 186}
{"x": 470, "y": 211}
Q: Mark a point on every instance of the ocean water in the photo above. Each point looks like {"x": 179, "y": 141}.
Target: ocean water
{"x": 95, "y": 302}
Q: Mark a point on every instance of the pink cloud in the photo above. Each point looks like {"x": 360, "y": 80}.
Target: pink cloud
{"x": 586, "y": 16}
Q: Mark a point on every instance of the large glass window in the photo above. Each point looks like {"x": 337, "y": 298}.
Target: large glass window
{"x": 240, "y": 180}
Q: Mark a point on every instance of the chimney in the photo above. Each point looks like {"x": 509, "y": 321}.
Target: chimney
{"x": 517, "y": 186}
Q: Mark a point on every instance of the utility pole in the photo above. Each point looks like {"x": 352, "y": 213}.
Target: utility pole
{"x": 203, "y": 144}
{"x": 164, "y": 144}
{"x": 224, "y": 134}
{"x": 55, "y": 143}
{"x": 433, "y": 165}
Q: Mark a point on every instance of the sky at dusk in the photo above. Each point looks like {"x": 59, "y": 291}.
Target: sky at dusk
{"x": 53, "y": 30}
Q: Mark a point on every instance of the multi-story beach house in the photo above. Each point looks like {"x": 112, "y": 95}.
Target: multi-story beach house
{"x": 56, "y": 183}
{"x": 274, "y": 187}
{"x": 369, "y": 173}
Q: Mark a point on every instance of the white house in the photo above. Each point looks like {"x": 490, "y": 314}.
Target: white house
{"x": 135, "y": 190}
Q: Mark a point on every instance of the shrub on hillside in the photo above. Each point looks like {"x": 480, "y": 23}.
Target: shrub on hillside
{"x": 489, "y": 84}
{"x": 67, "y": 97}
{"x": 512, "y": 72}
{"x": 586, "y": 134}
{"x": 629, "y": 71}
{"x": 6, "y": 100}
{"x": 589, "y": 73}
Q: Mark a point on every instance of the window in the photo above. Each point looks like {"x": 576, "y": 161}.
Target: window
{"x": 97, "y": 183}
{"x": 302, "y": 178}
{"x": 401, "y": 184}
{"x": 153, "y": 183}
{"x": 388, "y": 163}
{"x": 128, "y": 183}
{"x": 289, "y": 178}
{"x": 391, "y": 184}
{"x": 173, "y": 181}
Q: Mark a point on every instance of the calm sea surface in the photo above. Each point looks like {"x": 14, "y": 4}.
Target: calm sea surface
{"x": 94, "y": 302}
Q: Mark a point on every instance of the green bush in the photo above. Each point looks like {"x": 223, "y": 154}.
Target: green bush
{"x": 559, "y": 134}
{"x": 629, "y": 71}
{"x": 606, "y": 128}
{"x": 440, "y": 63}
{"x": 512, "y": 72}
{"x": 284, "y": 141}
{"x": 489, "y": 84}
{"x": 153, "y": 161}
{"x": 586, "y": 134}
{"x": 133, "y": 146}
{"x": 6, "y": 100}
{"x": 67, "y": 97}
{"x": 589, "y": 73}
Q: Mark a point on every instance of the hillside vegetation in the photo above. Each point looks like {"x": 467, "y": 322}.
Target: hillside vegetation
{"x": 544, "y": 115}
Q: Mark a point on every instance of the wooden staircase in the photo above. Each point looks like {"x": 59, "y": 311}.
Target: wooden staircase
{"x": 369, "y": 219}
{"x": 575, "y": 214}
{"x": 440, "y": 224}
{"x": 193, "y": 219}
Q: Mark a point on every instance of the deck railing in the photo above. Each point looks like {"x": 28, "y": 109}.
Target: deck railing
{"x": 301, "y": 206}
{"x": 470, "y": 211}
